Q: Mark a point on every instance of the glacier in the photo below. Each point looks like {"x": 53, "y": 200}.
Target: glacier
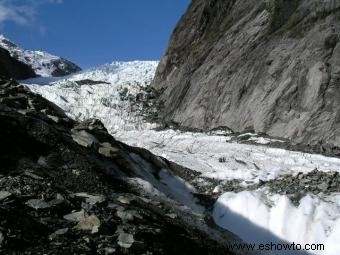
{"x": 102, "y": 101}
{"x": 316, "y": 219}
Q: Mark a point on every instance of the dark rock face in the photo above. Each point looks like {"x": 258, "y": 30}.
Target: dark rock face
{"x": 64, "y": 189}
{"x": 10, "y": 67}
{"x": 64, "y": 67}
{"x": 267, "y": 66}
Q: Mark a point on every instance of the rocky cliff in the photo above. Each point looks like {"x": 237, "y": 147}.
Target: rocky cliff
{"x": 269, "y": 66}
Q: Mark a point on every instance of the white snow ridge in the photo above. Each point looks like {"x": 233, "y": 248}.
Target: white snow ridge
{"x": 256, "y": 215}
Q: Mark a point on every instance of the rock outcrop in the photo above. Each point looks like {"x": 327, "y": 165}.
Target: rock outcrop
{"x": 65, "y": 188}
{"x": 63, "y": 67}
{"x": 269, "y": 66}
{"x": 10, "y": 67}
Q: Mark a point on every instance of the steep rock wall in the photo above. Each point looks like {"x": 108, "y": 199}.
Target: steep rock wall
{"x": 268, "y": 66}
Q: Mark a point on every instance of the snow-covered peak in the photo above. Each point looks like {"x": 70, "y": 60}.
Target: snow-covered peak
{"x": 43, "y": 63}
{"x": 7, "y": 44}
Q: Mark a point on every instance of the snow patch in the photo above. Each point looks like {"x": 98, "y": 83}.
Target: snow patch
{"x": 261, "y": 218}
{"x": 161, "y": 181}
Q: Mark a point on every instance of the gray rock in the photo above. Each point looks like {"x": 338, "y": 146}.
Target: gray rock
{"x": 54, "y": 118}
{"x": 125, "y": 215}
{"x": 60, "y": 197}
{"x": 125, "y": 240}
{"x": 91, "y": 199}
{"x": 313, "y": 182}
{"x": 84, "y": 138}
{"x": 37, "y": 204}
{"x": 107, "y": 150}
{"x": 4, "y": 194}
{"x": 33, "y": 176}
{"x": 171, "y": 215}
{"x": 42, "y": 161}
{"x": 323, "y": 186}
{"x": 109, "y": 251}
{"x": 90, "y": 124}
{"x": 304, "y": 181}
{"x": 2, "y": 238}
{"x": 267, "y": 66}
{"x": 124, "y": 200}
{"x": 55, "y": 202}
{"x": 75, "y": 216}
{"x": 59, "y": 232}
{"x": 91, "y": 223}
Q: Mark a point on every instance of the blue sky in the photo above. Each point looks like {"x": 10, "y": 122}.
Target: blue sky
{"x": 92, "y": 32}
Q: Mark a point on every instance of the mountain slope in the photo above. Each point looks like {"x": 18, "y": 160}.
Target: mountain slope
{"x": 10, "y": 67}
{"x": 265, "y": 66}
{"x": 43, "y": 63}
{"x": 71, "y": 188}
